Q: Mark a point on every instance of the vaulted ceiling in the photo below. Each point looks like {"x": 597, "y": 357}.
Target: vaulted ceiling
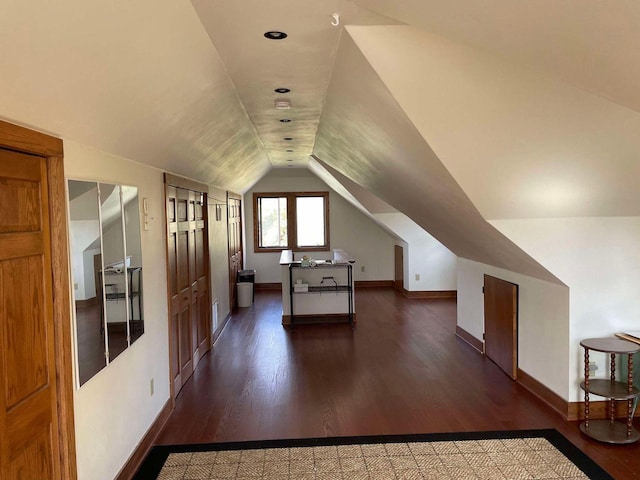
{"x": 453, "y": 113}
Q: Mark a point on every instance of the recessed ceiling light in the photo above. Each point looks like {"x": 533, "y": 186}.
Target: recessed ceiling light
{"x": 285, "y": 120}
{"x": 275, "y": 35}
{"x": 282, "y": 90}
{"x": 288, "y": 138}
{"x": 290, "y": 160}
{"x": 289, "y": 150}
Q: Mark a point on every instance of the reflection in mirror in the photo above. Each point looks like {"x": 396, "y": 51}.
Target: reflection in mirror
{"x": 113, "y": 273}
{"x": 107, "y": 272}
{"x": 134, "y": 261}
{"x": 86, "y": 263}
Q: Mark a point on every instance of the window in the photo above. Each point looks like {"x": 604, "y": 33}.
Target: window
{"x": 292, "y": 220}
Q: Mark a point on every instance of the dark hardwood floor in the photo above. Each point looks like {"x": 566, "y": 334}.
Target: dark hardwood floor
{"x": 90, "y": 341}
{"x": 400, "y": 370}
{"x": 91, "y": 345}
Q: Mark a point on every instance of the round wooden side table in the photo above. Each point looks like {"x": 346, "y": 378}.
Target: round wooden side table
{"x": 609, "y": 430}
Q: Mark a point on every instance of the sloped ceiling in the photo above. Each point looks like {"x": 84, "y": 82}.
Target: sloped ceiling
{"x": 592, "y": 44}
{"x": 520, "y": 143}
{"x": 362, "y": 198}
{"x": 368, "y": 203}
{"x": 138, "y": 79}
{"x": 392, "y": 159}
{"x": 301, "y": 63}
{"x": 451, "y": 112}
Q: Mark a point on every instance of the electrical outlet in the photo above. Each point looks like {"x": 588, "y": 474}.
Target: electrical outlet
{"x": 417, "y": 276}
{"x": 151, "y": 387}
{"x": 362, "y": 268}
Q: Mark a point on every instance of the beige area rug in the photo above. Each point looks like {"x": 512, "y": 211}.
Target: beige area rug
{"x": 539, "y": 454}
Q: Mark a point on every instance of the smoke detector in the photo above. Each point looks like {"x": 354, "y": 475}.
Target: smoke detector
{"x": 282, "y": 104}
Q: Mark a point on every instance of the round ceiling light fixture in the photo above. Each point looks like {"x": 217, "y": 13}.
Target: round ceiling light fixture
{"x": 275, "y": 35}
{"x": 285, "y": 120}
{"x": 282, "y": 90}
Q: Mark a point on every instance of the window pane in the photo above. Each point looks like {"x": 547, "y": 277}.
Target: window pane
{"x": 310, "y": 221}
{"x": 273, "y": 221}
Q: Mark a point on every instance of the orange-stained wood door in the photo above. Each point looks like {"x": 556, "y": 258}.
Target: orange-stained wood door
{"x": 29, "y": 444}
{"x": 234, "y": 207}
{"x": 501, "y": 324}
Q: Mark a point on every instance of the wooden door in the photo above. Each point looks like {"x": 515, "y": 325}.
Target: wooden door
{"x": 501, "y": 324}
{"x": 234, "y": 206}
{"x": 188, "y": 278}
{"x": 398, "y": 283}
{"x": 35, "y": 377}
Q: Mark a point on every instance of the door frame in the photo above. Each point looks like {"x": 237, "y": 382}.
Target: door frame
{"x": 24, "y": 140}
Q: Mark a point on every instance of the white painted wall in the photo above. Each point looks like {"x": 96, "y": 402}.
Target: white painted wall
{"x": 112, "y": 242}
{"x": 599, "y": 259}
{"x": 82, "y": 233}
{"x": 218, "y": 252}
{"x": 350, "y": 230}
{"x": 423, "y": 255}
{"x": 114, "y": 409}
{"x": 543, "y": 326}
{"x": 132, "y": 214}
{"x": 89, "y": 271}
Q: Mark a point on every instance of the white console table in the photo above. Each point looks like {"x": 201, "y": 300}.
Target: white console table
{"x": 321, "y": 292}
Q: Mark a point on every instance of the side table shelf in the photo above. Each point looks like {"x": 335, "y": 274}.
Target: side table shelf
{"x": 609, "y": 430}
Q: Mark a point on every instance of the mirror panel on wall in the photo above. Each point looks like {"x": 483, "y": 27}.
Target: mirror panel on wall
{"x": 134, "y": 260}
{"x": 112, "y": 275}
{"x": 86, "y": 262}
{"x": 107, "y": 272}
